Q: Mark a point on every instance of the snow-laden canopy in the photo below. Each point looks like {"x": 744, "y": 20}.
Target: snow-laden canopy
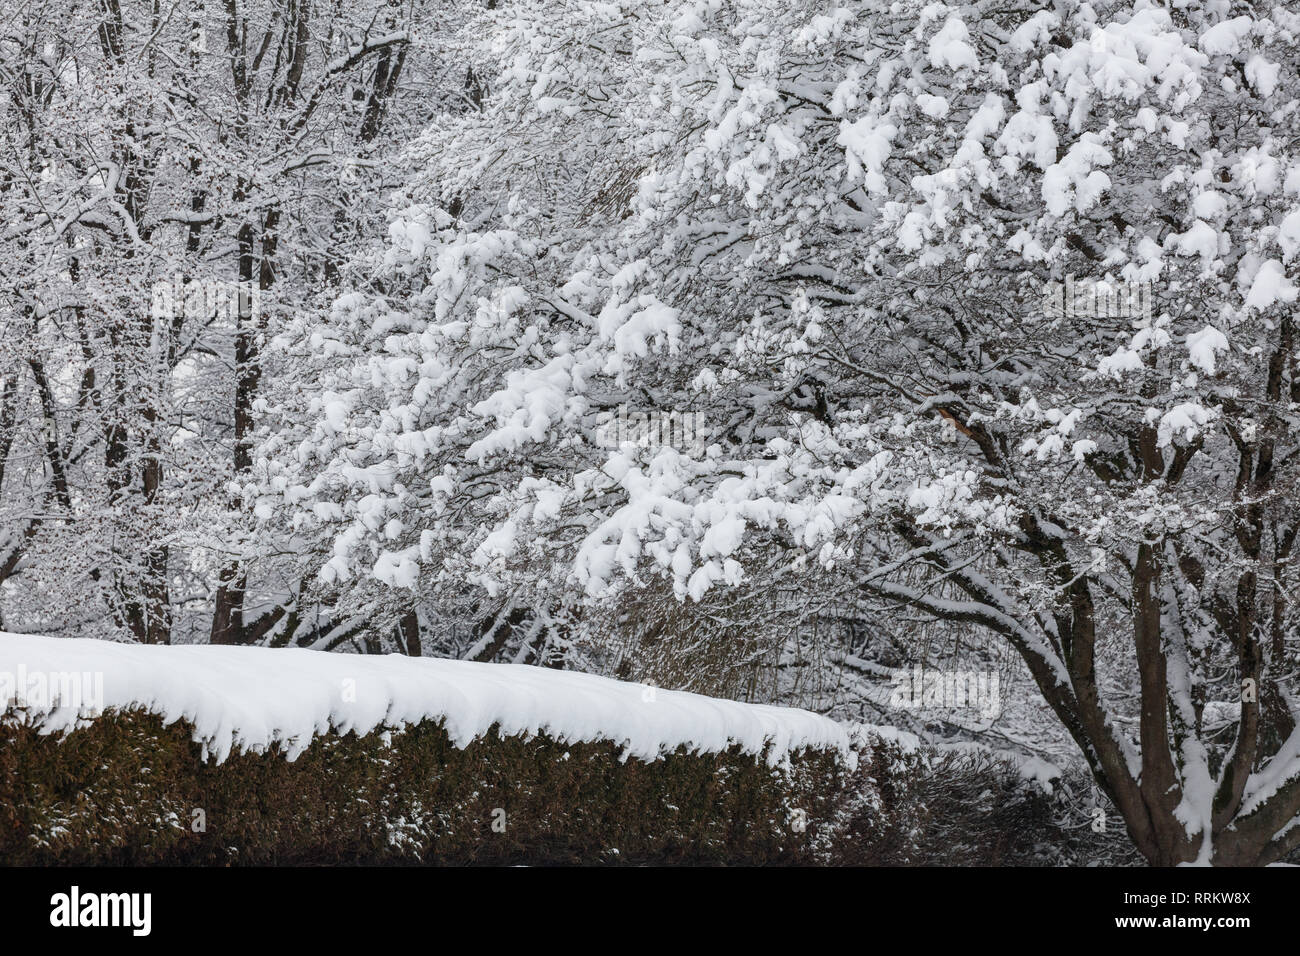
{"x": 988, "y": 311}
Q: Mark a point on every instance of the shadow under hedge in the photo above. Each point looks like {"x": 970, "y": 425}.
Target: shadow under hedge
{"x": 966, "y": 808}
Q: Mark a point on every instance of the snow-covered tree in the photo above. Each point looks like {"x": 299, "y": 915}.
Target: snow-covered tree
{"x": 176, "y": 180}
{"x": 986, "y": 310}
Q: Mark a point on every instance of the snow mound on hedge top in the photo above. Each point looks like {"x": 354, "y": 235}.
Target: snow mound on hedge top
{"x": 248, "y": 698}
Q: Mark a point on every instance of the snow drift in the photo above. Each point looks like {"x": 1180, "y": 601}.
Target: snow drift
{"x": 250, "y": 698}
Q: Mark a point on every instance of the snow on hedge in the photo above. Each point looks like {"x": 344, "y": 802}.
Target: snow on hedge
{"x": 248, "y": 698}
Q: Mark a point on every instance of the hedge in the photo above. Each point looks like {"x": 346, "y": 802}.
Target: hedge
{"x": 127, "y": 789}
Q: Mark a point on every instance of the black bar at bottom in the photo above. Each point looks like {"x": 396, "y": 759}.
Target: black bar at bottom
{"x": 342, "y": 906}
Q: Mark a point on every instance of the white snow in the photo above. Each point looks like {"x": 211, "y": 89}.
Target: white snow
{"x": 1226, "y": 37}
{"x": 867, "y": 146}
{"x": 1263, "y": 75}
{"x": 1204, "y": 346}
{"x": 1270, "y": 286}
{"x": 1200, "y": 240}
{"x": 948, "y": 47}
{"x": 1121, "y": 361}
{"x": 936, "y": 107}
{"x": 1186, "y": 419}
{"x": 249, "y": 698}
